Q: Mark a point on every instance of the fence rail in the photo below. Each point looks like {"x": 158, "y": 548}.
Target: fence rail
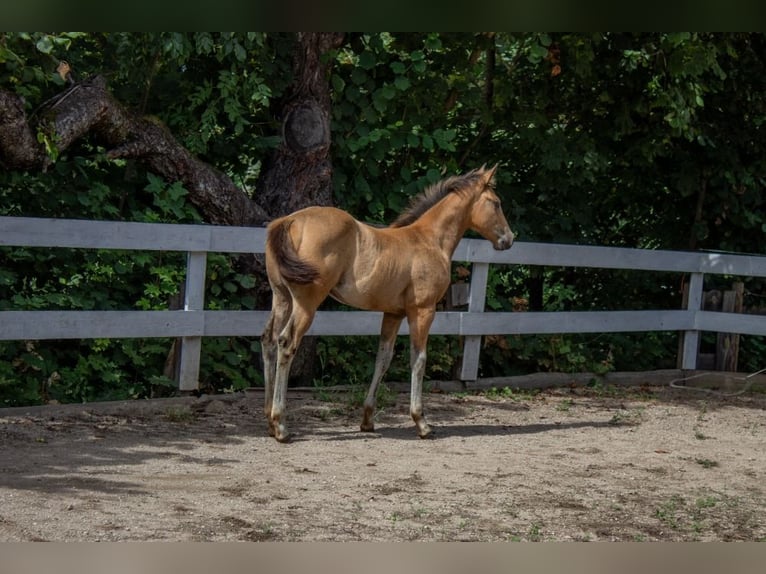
{"x": 194, "y": 322}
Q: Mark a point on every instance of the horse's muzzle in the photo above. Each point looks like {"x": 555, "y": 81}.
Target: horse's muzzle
{"x": 504, "y": 241}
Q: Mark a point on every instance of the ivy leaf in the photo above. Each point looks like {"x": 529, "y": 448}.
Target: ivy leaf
{"x": 156, "y": 183}
{"x": 388, "y": 92}
{"x": 205, "y": 43}
{"x": 537, "y": 53}
{"x": 358, "y": 76}
{"x": 398, "y": 68}
{"x": 247, "y": 281}
{"x": 239, "y": 52}
{"x": 367, "y": 60}
{"x": 45, "y": 44}
{"x": 433, "y": 42}
{"x": 338, "y": 83}
{"x": 402, "y": 83}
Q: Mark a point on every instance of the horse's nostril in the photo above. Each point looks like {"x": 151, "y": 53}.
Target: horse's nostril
{"x": 505, "y": 240}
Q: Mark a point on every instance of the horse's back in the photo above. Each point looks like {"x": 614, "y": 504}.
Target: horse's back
{"x": 315, "y": 228}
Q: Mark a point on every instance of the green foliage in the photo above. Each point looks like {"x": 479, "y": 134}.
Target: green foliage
{"x": 388, "y": 147}
{"x": 649, "y": 140}
{"x": 579, "y": 290}
{"x": 752, "y": 354}
{"x": 351, "y": 360}
{"x": 81, "y": 371}
{"x": 211, "y": 92}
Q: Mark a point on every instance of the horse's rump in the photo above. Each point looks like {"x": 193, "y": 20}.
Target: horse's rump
{"x": 280, "y": 248}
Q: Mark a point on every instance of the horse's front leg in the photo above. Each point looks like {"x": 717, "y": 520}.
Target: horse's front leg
{"x": 420, "y": 323}
{"x": 388, "y": 330}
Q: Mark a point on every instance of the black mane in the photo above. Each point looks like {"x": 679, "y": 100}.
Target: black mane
{"x": 433, "y": 194}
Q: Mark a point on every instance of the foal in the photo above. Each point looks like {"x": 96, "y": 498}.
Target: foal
{"x": 402, "y": 270}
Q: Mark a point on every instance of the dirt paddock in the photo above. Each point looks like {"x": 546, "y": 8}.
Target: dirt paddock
{"x": 649, "y": 463}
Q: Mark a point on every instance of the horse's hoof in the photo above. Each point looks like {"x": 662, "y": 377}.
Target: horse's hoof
{"x": 427, "y": 433}
{"x": 280, "y": 433}
{"x": 284, "y": 438}
{"x": 367, "y": 427}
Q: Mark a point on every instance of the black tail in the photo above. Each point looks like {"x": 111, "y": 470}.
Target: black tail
{"x": 280, "y": 247}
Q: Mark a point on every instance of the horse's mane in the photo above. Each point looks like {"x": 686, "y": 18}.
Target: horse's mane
{"x": 434, "y": 193}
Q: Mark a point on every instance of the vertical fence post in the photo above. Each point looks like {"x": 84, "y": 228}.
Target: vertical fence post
{"x": 692, "y": 338}
{"x": 194, "y": 300}
{"x": 469, "y": 369}
{"x": 727, "y": 344}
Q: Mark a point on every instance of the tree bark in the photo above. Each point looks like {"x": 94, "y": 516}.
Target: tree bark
{"x": 698, "y": 213}
{"x": 299, "y": 173}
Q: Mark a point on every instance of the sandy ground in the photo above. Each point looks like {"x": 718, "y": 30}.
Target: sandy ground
{"x": 566, "y": 464}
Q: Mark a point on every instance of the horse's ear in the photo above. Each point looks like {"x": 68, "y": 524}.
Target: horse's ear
{"x": 489, "y": 174}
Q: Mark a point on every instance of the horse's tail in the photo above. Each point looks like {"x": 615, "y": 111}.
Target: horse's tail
{"x": 280, "y": 247}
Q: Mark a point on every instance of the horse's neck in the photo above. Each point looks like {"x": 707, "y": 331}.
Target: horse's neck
{"x": 446, "y": 222}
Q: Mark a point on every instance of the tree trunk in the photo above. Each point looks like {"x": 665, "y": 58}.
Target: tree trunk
{"x": 299, "y": 173}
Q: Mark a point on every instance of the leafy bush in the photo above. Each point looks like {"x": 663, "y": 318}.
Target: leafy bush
{"x": 625, "y": 139}
{"x": 88, "y": 370}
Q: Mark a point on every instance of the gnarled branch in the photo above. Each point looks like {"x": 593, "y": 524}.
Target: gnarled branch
{"x": 88, "y": 108}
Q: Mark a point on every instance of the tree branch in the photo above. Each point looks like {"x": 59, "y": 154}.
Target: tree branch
{"x": 88, "y": 108}
{"x": 18, "y": 146}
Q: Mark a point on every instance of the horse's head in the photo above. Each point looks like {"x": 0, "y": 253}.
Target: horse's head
{"x": 487, "y": 216}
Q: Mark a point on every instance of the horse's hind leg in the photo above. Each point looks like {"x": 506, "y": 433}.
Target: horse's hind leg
{"x": 288, "y": 341}
{"x": 280, "y": 311}
{"x": 388, "y": 330}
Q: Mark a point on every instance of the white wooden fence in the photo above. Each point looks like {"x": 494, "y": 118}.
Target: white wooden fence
{"x": 194, "y": 322}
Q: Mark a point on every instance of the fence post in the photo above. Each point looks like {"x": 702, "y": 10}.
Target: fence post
{"x": 194, "y": 300}
{"x": 469, "y": 369}
{"x": 727, "y": 344}
{"x": 692, "y": 338}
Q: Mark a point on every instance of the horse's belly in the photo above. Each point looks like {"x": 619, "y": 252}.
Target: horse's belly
{"x": 384, "y": 300}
